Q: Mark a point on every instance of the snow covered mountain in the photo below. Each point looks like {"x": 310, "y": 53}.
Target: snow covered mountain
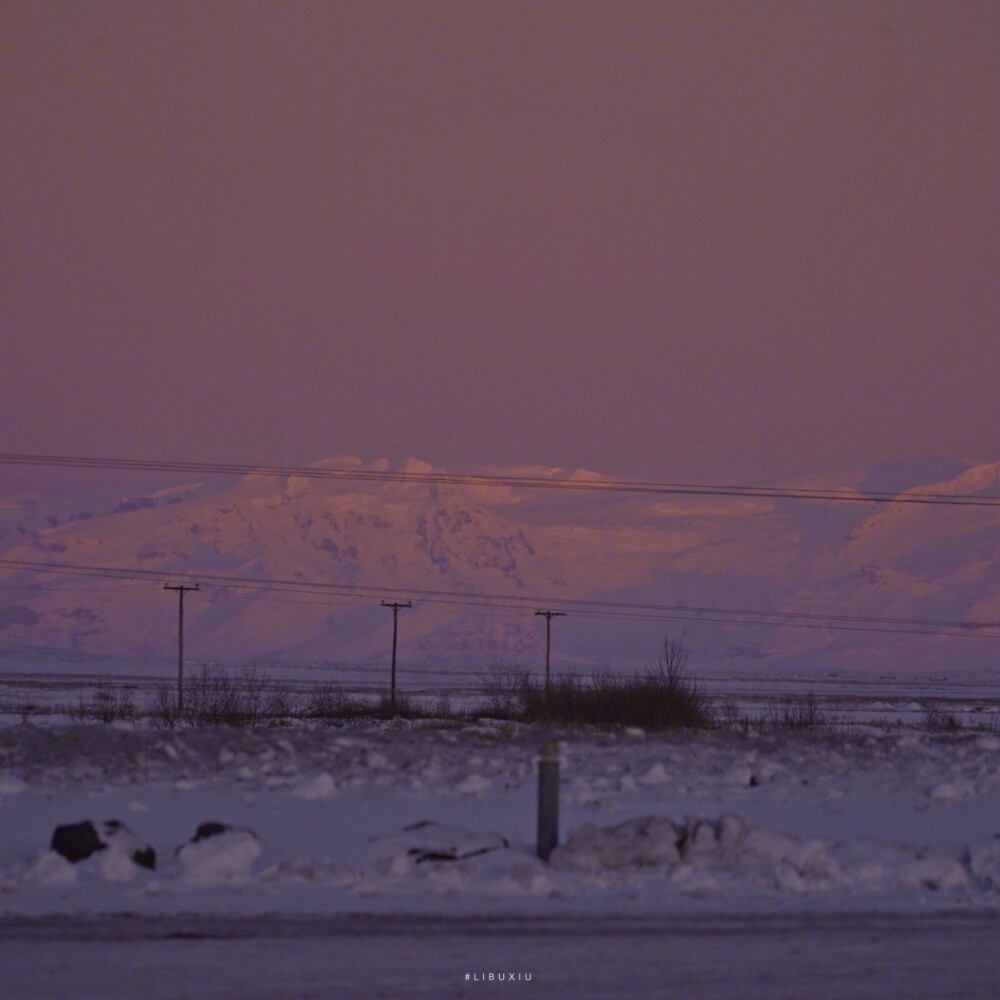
{"x": 440, "y": 545}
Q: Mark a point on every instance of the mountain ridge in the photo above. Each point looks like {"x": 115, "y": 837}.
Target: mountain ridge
{"x": 769, "y": 555}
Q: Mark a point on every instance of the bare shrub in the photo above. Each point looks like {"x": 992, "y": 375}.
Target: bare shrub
{"x": 111, "y": 704}
{"x": 797, "y": 714}
{"x": 403, "y": 708}
{"x": 280, "y": 706}
{"x": 26, "y": 709}
{"x": 211, "y": 698}
{"x": 665, "y": 697}
{"x": 937, "y": 720}
{"x": 504, "y": 685}
{"x": 106, "y": 704}
{"x": 214, "y": 698}
{"x": 671, "y": 662}
{"x": 161, "y": 708}
{"x": 728, "y": 716}
{"x": 330, "y": 702}
{"x": 442, "y": 708}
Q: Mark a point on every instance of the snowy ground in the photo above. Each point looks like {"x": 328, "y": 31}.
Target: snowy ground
{"x": 823, "y": 855}
{"x": 52, "y": 690}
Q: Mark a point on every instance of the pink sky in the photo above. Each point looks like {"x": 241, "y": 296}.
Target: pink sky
{"x": 667, "y": 240}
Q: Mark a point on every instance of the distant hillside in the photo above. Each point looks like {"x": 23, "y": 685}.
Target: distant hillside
{"x": 717, "y": 556}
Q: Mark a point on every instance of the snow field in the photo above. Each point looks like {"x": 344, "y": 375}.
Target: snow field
{"x": 399, "y": 817}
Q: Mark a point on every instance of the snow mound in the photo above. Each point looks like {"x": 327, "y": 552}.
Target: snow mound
{"x": 649, "y": 842}
{"x": 934, "y": 872}
{"x": 430, "y": 841}
{"x": 223, "y": 855}
{"x": 11, "y": 785}
{"x": 317, "y": 789}
{"x": 796, "y": 865}
{"x": 124, "y": 853}
{"x": 437, "y": 858}
{"x": 52, "y": 869}
{"x": 985, "y": 865}
{"x": 656, "y": 844}
{"x": 116, "y": 865}
{"x": 952, "y": 791}
{"x": 474, "y": 784}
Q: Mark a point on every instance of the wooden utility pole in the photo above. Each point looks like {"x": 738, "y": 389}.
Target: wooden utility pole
{"x": 549, "y": 615}
{"x": 181, "y": 591}
{"x": 395, "y": 605}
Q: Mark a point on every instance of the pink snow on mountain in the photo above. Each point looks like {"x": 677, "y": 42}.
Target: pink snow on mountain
{"x": 477, "y": 559}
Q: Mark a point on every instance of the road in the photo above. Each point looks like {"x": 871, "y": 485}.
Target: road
{"x": 737, "y": 957}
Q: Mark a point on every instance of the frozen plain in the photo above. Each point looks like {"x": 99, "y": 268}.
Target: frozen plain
{"x": 692, "y": 865}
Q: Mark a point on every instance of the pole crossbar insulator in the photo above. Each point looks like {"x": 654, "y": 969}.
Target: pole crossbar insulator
{"x": 395, "y": 605}
{"x": 549, "y": 615}
{"x": 181, "y": 590}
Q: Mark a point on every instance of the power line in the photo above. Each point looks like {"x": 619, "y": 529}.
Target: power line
{"x": 35, "y": 588}
{"x": 579, "y": 606}
{"x": 513, "y": 482}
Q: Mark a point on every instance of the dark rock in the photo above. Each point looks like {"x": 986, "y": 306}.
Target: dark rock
{"x": 145, "y": 858}
{"x": 118, "y": 836}
{"x": 210, "y": 829}
{"x": 77, "y": 841}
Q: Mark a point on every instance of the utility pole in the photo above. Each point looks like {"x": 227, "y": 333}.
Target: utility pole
{"x": 549, "y": 615}
{"x": 395, "y": 605}
{"x": 181, "y": 591}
